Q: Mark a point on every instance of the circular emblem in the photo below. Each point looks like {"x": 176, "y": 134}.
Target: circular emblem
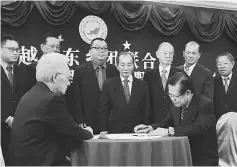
{"x": 92, "y": 27}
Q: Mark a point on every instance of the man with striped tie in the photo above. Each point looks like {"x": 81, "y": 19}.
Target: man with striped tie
{"x": 225, "y": 85}
{"x": 190, "y": 115}
{"x": 125, "y": 99}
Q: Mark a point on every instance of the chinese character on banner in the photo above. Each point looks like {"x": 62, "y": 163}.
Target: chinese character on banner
{"x": 71, "y": 56}
{"x": 27, "y": 56}
{"x": 148, "y": 61}
{"x": 88, "y": 57}
{"x": 139, "y": 74}
{"x": 112, "y": 57}
{"x": 135, "y": 59}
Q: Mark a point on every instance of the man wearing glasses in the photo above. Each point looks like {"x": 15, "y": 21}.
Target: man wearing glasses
{"x": 13, "y": 85}
{"x": 190, "y": 115}
{"x": 87, "y": 85}
{"x": 202, "y": 77}
{"x": 49, "y": 44}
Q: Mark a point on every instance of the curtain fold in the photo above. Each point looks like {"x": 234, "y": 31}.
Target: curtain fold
{"x": 132, "y": 21}
{"x": 16, "y": 13}
{"x": 207, "y": 25}
{"x": 56, "y": 14}
{"x": 231, "y": 25}
{"x": 167, "y": 20}
{"x": 97, "y": 7}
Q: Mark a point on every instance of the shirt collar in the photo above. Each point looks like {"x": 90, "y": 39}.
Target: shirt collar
{"x": 191, "y": 67}
{"x": 95, "y": 66}
{"x": 130, "y": 78}
{"x": 167, "y": 68}
{"x": 228, "y": 76}
{"x": 4, "y": 65}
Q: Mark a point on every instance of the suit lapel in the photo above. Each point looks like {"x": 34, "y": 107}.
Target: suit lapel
{"x": 192, "y": 109}
{"x": 195, "y": 71}
{"x": 5, "y": 78}
{"x": 233, "y": 83}
{"x": 134, "y": 91}
{"x": 93, "y": 74}
{"x": 159, "y": 81}
{"x": 121, "y": 90}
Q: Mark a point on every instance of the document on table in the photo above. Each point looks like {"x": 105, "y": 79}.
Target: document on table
{"x": 126, "y": 136}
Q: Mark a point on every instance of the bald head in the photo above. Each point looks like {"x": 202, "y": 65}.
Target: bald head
{"x": 166, "y": 45}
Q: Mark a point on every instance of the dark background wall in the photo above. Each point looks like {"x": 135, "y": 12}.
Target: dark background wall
{"x": 143, "y": 41}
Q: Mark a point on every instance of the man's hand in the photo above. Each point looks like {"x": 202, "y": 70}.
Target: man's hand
{"x": 10, "y": 121}
{"x": 143, "y": 128}
{"x": 89, "y": 129}
{"x": 159, "y": 132}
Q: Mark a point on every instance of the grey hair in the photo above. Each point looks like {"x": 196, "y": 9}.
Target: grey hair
{"x": 49, "y": 64}
{"x": 193, "y": 43}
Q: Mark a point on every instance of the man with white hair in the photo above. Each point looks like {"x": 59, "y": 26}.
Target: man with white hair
{"x": 43, "y": 129}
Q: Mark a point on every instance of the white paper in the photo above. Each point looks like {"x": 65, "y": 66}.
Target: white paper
{"x": 126, "y": 136}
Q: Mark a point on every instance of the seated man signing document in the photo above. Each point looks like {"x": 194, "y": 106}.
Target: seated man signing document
{"x": 190, "y": 115}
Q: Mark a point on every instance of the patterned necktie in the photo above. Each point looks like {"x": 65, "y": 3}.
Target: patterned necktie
{"x": 226, "y": 83}
{"x": 182, "y": 112}
{"x": 163, "y": 78}
{"x": 100, "y": 76}
{"x": 9, "y": 74}
{"x": 126, "y": 89}
{"x": 186, "y": 69}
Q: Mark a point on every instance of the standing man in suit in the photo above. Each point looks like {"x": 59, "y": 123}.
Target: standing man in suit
{"x": 125, "y": 99}
{"x": 191, "y": 115}
{"x": 202, "y": 77}
{"x": 157, "y": 82}
{"x": 50, "y": 44}
{"x": 87, "y": 85}
{"x": 13, "y": 81}
{"x": 42, "y": 128}
{"x": 225, "y": 85}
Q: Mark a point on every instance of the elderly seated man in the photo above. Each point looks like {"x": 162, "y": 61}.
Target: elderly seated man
{"x": 43, "y": 129}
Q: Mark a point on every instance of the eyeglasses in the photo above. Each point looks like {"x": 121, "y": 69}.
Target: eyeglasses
{"x": 194, "y": 53}
{"x": 100, "y": 48}
{"x": 57, "y": 47}
{"x": 173, "y": 96}
{"x": 12, "y": 49}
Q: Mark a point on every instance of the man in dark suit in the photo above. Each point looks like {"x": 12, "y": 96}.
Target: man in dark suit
{"x": 13, "y": 80}
{"x": 202, "y": 77}
{"x": 156, "y": 80}
{"x": 191, "y": 115}
{"x": 225, "y": 85}
{"x": 50, "y": 44}
{"x": 124, "y": 100}
{"x": 87, "y": 84}
{"x": 42, "y": 129}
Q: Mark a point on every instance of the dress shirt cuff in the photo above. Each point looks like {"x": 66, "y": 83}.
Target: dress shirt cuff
{"x": 8, "y": 119}
{"x": 171, "y": 131}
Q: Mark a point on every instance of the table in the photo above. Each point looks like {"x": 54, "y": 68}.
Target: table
{"x": 164, "y": 151}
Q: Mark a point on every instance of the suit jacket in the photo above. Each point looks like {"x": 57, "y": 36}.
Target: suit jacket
{"x": 225, "y": 102}
{"x": 200, "y": 127}
{"x": 42, "y": 129}
{"x": 86, "y": 94}
{"x": 160, "y": 101}
{"x": 10, "y": 97}
{"x": 118, "y": 116}
{"x": 202, "y": 80}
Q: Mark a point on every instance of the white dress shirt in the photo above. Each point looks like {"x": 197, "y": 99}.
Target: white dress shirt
{"x": 167, "y": 69}
{"x": 228, "y": 82}
{"x": 190, "y": 69}
{"x": 130, "y": 79}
